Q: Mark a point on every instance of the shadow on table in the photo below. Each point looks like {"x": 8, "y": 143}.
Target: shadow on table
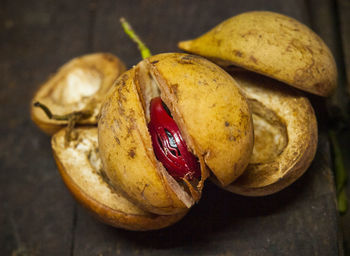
{"x": 219, "y": 213}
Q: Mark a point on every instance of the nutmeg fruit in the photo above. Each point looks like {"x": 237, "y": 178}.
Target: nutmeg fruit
{"x": 273, "y": 45}
{"x": 79, "y": 85}
{"x": 210, "y": 111}
{"x": 80, "y": 166}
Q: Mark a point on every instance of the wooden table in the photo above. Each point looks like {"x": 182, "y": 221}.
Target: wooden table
{"x": 38, "y": 216}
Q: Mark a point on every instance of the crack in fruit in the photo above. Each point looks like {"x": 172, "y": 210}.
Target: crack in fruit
{"x": 168, "y": 144}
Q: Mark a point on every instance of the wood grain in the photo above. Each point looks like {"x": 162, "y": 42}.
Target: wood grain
{"x": 36, "y": 215}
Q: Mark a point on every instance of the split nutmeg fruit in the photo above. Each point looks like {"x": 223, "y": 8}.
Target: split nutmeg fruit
{"x": 212, "y": 116}
{"x": 285, "y": 126}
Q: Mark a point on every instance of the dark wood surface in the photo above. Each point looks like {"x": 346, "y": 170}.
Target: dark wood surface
{"x": 38, "y": 216}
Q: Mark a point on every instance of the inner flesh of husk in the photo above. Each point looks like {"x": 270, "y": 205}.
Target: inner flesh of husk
{"x": 83, "y": 165}
{"x": 76, "y": 86}
{"x": 72, "y": 91}
{"x": 150, "y": 87}
{"x": 270, "y": 134}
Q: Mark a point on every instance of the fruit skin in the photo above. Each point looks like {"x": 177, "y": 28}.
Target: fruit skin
{"x": 271, "y": 44}
{"x": 126, "y": 150}
{"x": 108, "y": 66}
{"x": 291, "y": 110}
{"x": 77, "y": 175}
{"x": 210, "y": 111}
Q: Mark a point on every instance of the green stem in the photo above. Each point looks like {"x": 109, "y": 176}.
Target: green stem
{"x": 342, "y": 202}
{"x": 145, "y": 52}
{"x": 340, "y": 173}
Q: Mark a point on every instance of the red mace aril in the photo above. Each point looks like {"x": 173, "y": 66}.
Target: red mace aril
{"x": 168, "y": 144}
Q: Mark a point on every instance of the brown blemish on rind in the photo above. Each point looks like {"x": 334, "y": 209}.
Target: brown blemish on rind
{"x": 319, "y": 86}
{"x": 188, "y": 59}
{"x": 117, "y": 140}
{"x": 303, "y": 74}
{"x": 124, "y": 78}
{"x": 108, "y": 57}
{"x": 238, "y": 53}
{"x": 252, "y": 32}
{"x": 143, "y": 190}
{"x": 231, "y": 137}
{"x": 132, "y": 153}
{"x": 130, "y": 129}
{"x": 174, "y": 89}
{"x": 253, "y": 59}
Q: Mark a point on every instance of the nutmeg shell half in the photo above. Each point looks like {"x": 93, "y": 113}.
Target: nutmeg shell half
{"x": 285, "y": 130}
{"x": 80, "y": 166}
{"x": 273, "y": 45}
{"x": 79, "y": 85}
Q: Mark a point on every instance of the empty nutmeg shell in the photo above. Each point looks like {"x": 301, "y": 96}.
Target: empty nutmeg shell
{"x": 79, "y": 85}
{"x": 210, "y": 111}
{"x": 273, "y": 45}
{"x": 80, "y": 166}
{"x": 285, "y": 130}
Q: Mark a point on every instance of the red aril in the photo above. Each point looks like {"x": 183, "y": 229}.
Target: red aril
{"x": 168, "y": 144}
